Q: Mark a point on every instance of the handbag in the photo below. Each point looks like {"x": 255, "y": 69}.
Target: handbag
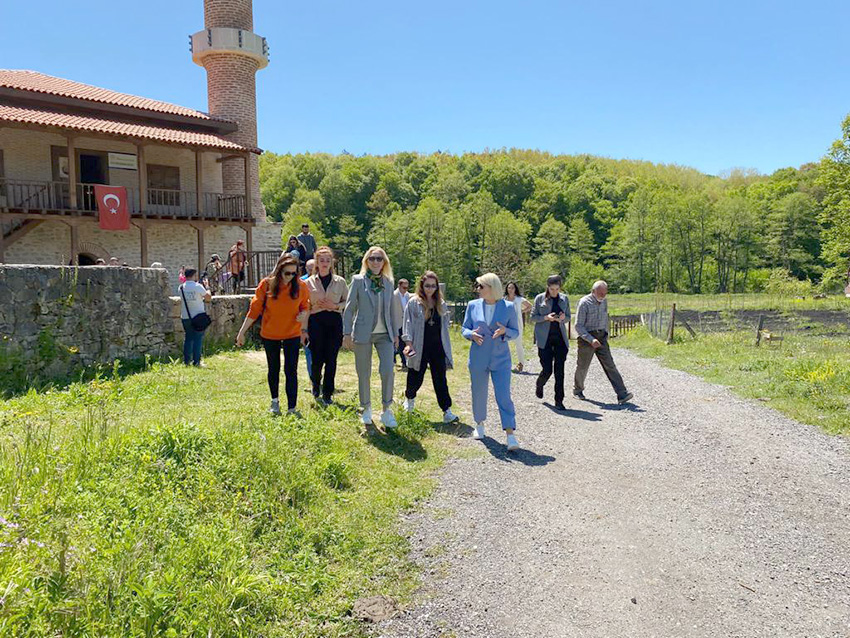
{"x": 200, "y": 321}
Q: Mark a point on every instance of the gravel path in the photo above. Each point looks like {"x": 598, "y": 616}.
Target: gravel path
{"x": 690, "y": 513}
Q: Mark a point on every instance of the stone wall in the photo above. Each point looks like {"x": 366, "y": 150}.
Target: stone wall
{"x": 58, "y": 319}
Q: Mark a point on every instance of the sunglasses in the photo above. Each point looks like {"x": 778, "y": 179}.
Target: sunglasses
{"x": 288, "y": 273}
{"x": 376, "y": 258}
{"x": 480, "y": 286}
{"x": 429, "y": 286}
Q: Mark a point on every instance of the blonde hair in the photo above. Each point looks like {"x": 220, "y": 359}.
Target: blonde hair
{"x": 323, "y": 250}
{"x": 386, "y": 269}
{"x": 492, "y": 280}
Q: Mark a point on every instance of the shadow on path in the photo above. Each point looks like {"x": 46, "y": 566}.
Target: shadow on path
{"x": 616, "y": 407}
{"x": 526, "y": 457}
{"x": 575, "y": 414}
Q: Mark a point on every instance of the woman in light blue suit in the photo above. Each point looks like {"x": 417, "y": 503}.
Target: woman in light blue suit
{"x": 490, "y": 323}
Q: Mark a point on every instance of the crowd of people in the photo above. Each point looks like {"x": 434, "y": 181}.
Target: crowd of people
{"x": 305, "y": 305}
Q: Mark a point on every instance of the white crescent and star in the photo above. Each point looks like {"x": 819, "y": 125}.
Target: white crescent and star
{"x": 113, "y": 209}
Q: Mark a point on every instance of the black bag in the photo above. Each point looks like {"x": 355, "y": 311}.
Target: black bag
{"x": 200, "y": 321}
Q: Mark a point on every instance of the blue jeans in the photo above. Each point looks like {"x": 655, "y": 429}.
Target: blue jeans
{"x": 192, "y": 345}
{"x": 309, "y": 357}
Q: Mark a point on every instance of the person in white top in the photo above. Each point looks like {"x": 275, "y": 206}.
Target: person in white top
{"x": 401, "y": 296}
{"x": 522, "y": 305}
{"x": 192, "y": 298}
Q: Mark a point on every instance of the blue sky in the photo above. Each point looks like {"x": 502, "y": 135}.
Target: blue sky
{"x": 714, "y": 85}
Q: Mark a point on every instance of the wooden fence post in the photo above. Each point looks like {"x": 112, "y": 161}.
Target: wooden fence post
{"x": 759, "y": 329}
{"x": 672, "y": 325}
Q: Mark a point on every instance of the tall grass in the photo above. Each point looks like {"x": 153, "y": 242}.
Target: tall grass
{"x": 169, "y": 503}
{"x": 807, "y": 377}
{"x": 636, "y": 303}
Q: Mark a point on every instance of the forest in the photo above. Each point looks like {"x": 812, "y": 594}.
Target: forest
{"x": 526, "y": 214}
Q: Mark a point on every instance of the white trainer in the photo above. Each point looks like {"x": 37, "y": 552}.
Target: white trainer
{"x": 275, "y": 407}
{"x": 478, "y": 434}
{"x": 408, "y": 404}
{"x": 512, "y": 443}
{"x": 366, "y": 417}
{"x": 450, "y": 417}
{"x": 388, "y": 419}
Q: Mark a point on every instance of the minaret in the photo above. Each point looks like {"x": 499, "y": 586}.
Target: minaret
{"x": 232, "y": 54}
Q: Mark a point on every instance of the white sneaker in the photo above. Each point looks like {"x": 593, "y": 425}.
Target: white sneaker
{"x": 275, "y": 407}
{"x": 512, "y": 443}
{"x": 408, "y": 405}
{"x": 388, "y": 419}
{"x": 450, "y": 417}
{"x": 366, "y": 417}
{"x": 478, "y": 434}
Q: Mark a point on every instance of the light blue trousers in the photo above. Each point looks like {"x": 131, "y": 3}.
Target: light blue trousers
{"x": 502, "y": 390}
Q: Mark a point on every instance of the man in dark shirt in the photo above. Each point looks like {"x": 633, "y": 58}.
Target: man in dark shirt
{"x": 550, "y": 315}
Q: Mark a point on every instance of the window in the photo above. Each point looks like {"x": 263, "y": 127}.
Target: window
{"x": 163, "y": 185}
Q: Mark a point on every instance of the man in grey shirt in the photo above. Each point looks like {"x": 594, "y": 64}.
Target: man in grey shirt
{"x": 309, "y": 242}
{"x": 592, "y": 329}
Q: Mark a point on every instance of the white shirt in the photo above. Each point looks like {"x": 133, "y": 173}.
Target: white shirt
{"x": 380, "y": 325}
{"x": 404, "y": 299}
{"x": 195, "y": 294}
{"x": 517, "y": 302}
{"x": 489, "y": 311}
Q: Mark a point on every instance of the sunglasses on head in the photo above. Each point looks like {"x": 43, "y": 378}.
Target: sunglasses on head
{"x": 376, "y": 258}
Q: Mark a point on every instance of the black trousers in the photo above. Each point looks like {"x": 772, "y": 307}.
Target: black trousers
{"x": 553, "y": 357}
{"x": 290, "y": 349}
{"x": 325, "y": 342}
{"x": 436, "y": 360}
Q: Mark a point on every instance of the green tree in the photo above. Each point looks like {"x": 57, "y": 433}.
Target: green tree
{"x": 835, "y": 180}
{"x": 581, "y": 241}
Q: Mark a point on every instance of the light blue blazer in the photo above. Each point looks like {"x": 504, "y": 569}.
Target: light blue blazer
{"x": 494, "y": 354}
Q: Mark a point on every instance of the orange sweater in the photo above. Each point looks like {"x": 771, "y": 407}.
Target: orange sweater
{"x": 280, "y": 315}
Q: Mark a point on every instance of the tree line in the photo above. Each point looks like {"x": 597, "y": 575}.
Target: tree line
{"x": 527, "y": 214}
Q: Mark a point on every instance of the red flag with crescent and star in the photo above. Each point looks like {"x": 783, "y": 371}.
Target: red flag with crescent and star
{"x": 112, "y": 207}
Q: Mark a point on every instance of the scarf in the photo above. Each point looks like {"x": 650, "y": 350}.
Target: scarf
{"x": 376, "y": 282}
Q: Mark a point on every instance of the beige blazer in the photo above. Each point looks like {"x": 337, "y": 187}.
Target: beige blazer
{"x": 337, "y": 292}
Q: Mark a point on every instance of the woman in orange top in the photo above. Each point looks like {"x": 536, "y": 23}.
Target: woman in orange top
{"x": 284, "y": 304}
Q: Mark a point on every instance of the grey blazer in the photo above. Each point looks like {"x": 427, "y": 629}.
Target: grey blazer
{"x": 361, "y": 310}
{"x": 542, "y": 307}
{"x": 414, "y": 332}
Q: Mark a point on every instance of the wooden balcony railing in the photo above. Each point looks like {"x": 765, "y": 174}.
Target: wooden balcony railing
{"x": 55, "y": 197}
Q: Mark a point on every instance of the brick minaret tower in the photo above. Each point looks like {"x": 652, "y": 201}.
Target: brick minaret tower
{"x": 232, "y": 54}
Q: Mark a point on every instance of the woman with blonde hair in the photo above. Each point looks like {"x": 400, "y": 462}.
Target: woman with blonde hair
{"x": 328, "y": 293}
{"x": 490, "y": 322}
{"x": 284, "y": 304}
{"x": 372, "y": 319}
{"x": 426, "y": 335}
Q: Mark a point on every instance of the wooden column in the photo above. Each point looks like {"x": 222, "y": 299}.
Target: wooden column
{"x": 248, "y": 203}
{"x": 143, "y": 239}
{"x": 201, "y": 251}
{"x": 143, "y": 180}
{"x": 249, "y": 240}
{"x": 75, "y": 244}
{"x": 199, "y": 179}
{"x": 72, "y": 173}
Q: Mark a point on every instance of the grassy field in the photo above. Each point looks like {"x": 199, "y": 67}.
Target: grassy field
{"x": 807, "y": 378}
{"x": 629, "y": 304}
{"x": 169, "y": 503}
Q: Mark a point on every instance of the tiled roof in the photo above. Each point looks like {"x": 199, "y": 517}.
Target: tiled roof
{"x": 40, "y": 83}
{"x": 117, "y": 127}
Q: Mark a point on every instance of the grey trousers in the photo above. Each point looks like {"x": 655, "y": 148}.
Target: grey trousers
{"x": 585, "y": 356}
{"x": 363, "y": 364}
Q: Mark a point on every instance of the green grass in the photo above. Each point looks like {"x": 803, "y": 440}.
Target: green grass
{"x": 628, "y": 304}
{"x": 169, "y": 503}
{"x": 807, "y": 378}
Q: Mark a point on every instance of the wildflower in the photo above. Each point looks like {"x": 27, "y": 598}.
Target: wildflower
{"x": 9, "y": 524}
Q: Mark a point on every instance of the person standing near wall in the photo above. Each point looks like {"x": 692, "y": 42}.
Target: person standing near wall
{"x": 193, "y": 295}
{"x": 372, "y": 320}
{"x": 489, "y": 323}
{"x": 550, "y": 317}
{"x": 328, "y": 294}
{"x": 284, "y": 304}
{"x": 427, "y": 343}
{"x": 522, "y": 305}
{"x": 237, "y": 258}
{"x": 308, "y": 241}
{"x": 592, "y": 329}
{"x": 401, "y": 297}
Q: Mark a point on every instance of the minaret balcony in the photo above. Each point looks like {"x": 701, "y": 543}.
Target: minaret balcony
{"x": 227, "y": 40}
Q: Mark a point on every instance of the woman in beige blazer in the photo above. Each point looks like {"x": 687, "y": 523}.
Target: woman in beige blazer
{"x": 328, "y": 293}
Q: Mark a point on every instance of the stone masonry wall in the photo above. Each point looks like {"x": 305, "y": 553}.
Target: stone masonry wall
{"x": 58, "y": 319}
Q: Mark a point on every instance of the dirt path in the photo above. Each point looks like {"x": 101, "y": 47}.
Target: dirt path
{"x": 693, "y": 513}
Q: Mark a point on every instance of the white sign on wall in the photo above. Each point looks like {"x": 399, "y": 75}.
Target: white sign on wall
{"x": 126, "y": 161}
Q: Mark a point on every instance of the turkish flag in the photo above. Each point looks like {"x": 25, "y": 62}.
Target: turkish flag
{"x": 112, "y": 207}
